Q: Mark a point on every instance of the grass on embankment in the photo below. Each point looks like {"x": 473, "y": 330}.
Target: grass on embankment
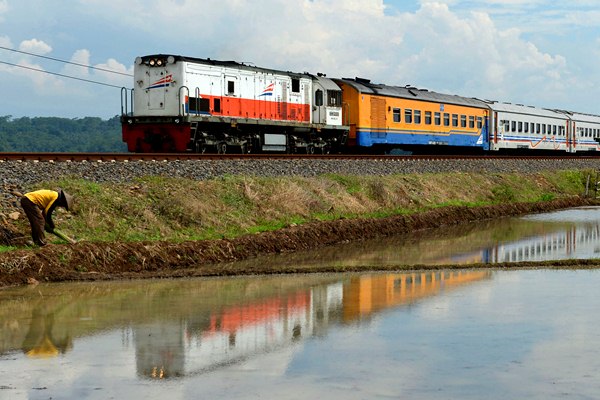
{"x": 158, "y": 208}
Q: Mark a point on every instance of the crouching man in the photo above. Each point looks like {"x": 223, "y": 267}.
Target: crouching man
{"x": 38, "y": 207}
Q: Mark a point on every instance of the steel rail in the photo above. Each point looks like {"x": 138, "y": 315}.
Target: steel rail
{"x": 126, "y": 157}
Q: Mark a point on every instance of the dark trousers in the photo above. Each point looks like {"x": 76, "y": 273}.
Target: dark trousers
{"x": 36, "y": 220}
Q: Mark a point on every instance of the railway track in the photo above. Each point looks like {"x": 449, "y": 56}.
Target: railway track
{"x": 126, "y": 157}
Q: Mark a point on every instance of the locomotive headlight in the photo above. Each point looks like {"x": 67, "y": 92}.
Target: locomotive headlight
{"x": 152, "y": 62}
{"x": 159, "y": 62}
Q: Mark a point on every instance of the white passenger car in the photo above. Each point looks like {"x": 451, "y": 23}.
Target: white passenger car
{"x": 587, "y": 131}
{"x": 524, "y": 127}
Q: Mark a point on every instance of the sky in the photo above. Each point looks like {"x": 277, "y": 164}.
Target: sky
{"x": 534, "y": 52}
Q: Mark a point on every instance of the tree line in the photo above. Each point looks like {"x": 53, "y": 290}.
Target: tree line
{"x": 53, "y": 134}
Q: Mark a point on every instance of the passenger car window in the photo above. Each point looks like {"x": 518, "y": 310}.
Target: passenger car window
{"x": 417, "y": 116}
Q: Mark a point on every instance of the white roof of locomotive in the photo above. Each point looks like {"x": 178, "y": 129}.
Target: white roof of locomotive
{"x": 227, "y": 64}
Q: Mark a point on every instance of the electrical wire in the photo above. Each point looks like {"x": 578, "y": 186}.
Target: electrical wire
{"x": 61, "y": 75}
{"x": 64, "y": 61}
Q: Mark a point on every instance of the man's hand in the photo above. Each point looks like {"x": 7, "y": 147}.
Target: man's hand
{"x": 49, "y": 228}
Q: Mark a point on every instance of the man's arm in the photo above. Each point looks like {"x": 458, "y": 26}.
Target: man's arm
{"x": 49, "y": 226}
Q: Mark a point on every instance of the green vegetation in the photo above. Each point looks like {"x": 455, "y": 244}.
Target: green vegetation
{"x": 175, "y": 209}
{"x": 89, "y": 134}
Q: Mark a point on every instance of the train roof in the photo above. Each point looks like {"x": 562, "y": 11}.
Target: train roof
{"x": 413, "y": 93}
{"x": 327, "y": 83}
{"x": 581, "y": 117}
{"x": 526, "y": 110}
{"x": 230, "y": 64}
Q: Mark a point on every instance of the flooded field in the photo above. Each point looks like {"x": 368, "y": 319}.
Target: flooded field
{"x": 426, "y": 335}
{"x": 469, "y": 334}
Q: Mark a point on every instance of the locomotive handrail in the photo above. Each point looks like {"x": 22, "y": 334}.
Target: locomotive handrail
{"x": 124, "y": 110}
{"x": 182, "y": 109}
{"x": 197, "y": 93}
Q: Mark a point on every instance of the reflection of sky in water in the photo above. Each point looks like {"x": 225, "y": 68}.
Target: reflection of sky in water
{"x": 589, "y": 215}
{"x": 471, "y": 335}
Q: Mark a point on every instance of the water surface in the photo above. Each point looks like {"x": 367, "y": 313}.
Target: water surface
{"x": 470, "y": 334}
{"x": 426, "y": 335}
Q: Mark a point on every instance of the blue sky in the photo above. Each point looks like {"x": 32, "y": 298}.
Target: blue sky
{"x": 536, "y": 52}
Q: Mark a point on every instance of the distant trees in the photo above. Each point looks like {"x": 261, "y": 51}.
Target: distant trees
{"x": 89, "y": 134}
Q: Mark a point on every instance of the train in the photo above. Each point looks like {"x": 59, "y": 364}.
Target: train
{"x": 183, "y": 104}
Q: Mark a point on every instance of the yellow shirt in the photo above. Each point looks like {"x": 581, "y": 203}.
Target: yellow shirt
{"x": 43, "y": 198}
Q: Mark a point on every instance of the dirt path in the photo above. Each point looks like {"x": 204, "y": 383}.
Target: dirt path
{"x": 105, "y": 261}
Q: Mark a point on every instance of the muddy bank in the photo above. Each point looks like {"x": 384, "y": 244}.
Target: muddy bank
{"x": 104, "y": 261}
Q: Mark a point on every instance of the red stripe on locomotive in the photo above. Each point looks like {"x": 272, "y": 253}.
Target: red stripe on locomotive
{"x": 236, "y": 107}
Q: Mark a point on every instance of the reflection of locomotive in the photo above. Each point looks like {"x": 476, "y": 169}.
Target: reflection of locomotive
{"x": 238, "y": 332}
{"x": 184, "y": 104}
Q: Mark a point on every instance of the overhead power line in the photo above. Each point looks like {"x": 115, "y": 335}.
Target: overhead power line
{"x": 64, "y": 61}
{"x": 61, "y": 75}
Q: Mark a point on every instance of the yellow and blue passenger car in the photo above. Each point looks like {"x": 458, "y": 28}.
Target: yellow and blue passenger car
{"x": 381, "y": 115}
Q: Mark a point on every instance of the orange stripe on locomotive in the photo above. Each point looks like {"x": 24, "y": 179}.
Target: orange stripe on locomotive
{"x": 237, "y": 107}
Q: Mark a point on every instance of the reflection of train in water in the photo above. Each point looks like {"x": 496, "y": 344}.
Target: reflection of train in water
{"x": 174, "y": 331}
{"x": 559, "y": 245}
{"x": 237, "y": 333}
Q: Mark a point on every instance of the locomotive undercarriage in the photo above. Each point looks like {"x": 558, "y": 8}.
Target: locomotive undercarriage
{"x": 242, "y": 139}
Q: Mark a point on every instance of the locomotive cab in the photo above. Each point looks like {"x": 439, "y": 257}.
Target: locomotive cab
{"x": 327, "y": 102}
{"x": 155, "y": 85}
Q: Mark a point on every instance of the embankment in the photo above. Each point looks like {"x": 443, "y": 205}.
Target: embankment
{"x": 116, "y": 260}
{"x": 187, "y": 218}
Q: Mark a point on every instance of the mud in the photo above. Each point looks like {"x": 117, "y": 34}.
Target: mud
{"x": 106, "y": 261}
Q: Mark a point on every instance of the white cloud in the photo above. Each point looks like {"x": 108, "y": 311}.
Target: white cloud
{"x": 433, "y": 47}
{"x": 502, "y": 49}
{"x": 81, "y": 57}
{"x": 113, "y": 65}
{"x": 42, "y": 83}
{"x": 5, "y": 42}
{"x": 35, "y": 46}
